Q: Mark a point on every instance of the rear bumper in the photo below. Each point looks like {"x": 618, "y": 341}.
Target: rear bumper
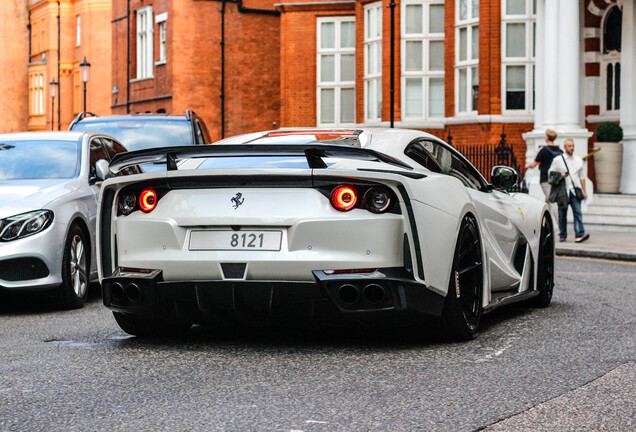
{"x": 386, "y": 297}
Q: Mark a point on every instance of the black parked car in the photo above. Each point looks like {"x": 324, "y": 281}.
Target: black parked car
{"x": 142, "y": 131}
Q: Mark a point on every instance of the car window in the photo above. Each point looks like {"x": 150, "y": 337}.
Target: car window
{"x": 55, "y": 159}
{"x": 438, "y": 158}
{"x": 97, "y": 152}
{"x": 112, "y": 147}
{"x": 199, "y": 138}
{"x": 140, "y": 133}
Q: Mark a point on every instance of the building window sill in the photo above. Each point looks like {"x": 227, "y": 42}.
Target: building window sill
{"x": 134, "y": 80}
{"x": 160, "y": 63}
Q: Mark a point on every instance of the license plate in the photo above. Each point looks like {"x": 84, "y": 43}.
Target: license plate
{"x": 236, "y": 240}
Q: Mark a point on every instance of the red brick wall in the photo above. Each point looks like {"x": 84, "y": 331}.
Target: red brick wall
{"x": 14, "y": 57}
{"x": 298, "y": 61}
{"x": 191, "y": 77}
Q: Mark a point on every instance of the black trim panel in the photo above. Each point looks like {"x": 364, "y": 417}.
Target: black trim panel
{"x": 416, "y": 237}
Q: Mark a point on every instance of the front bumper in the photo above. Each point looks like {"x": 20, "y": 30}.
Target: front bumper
{"x": 385, "y": 297}
{"x": 35, "y": 262}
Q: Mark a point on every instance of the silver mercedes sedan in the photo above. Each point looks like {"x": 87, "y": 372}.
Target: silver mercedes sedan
{"x": 48, "y": 206}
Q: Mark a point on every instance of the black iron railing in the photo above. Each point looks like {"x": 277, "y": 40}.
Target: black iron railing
{"x": 485, "y": 156}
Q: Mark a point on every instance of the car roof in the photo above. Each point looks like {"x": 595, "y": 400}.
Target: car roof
{"x": 390, "y": 141}
{"x": 131, "y": 117}
{"x": 50, "y": 136}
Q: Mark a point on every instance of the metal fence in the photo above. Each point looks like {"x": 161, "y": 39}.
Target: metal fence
{"x": 485, "y": 157}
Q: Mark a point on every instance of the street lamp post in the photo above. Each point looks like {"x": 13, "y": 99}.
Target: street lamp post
{"x": 53, "y": 91}
{"x": 85, "y": 68}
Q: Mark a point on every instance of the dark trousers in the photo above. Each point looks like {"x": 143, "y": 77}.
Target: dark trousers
{"x": 579, "y": 230}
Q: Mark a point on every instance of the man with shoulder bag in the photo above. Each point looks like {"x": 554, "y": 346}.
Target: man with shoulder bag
{"x": 571, "y": 168}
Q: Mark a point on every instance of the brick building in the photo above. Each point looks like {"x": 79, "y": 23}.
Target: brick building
{"x": 14, "y": 57}
{"x": 220, "y": 59}
{"x": 30, "y": 58}
{"x": 462, "y": 68}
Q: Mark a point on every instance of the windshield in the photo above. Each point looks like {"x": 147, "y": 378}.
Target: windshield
{"x": 139, "y": 134}
{"x": 39, "y": 159}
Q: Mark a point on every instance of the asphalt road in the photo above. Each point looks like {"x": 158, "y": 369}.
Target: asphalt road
{"x": 569, "y": 367}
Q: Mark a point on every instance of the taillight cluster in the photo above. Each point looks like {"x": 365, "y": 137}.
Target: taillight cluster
{"x": 376, "y": 199}
{"x": 129, "y": 201}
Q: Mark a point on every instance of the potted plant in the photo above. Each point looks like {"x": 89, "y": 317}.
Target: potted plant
{"x": 608, "y": 162}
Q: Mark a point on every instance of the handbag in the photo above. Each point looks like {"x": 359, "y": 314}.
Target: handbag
{"x": 578, "y": 192}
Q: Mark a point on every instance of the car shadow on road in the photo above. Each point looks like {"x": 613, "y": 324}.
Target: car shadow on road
{"x": 13, "y": 303}
{"x": 283, "y": 338}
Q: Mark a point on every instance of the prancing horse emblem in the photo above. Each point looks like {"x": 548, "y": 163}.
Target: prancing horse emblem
{"x": 238, "y": 200}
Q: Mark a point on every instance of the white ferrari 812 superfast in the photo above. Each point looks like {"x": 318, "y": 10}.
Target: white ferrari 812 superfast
{"x": 338, "y": 227}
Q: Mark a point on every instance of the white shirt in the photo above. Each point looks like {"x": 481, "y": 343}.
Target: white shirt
{"x": 576, "y": 167}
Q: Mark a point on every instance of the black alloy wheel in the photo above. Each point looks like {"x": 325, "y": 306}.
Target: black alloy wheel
{"x": 545, "y": 267}
{"x": 463, "y": 306}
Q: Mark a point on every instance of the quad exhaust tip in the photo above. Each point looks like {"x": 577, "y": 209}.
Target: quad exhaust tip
{"x": 133, "y": 292}
{"x": 374, "y": 293}
{"x": 348, "y": 293}
{"x": 117, "y": 292}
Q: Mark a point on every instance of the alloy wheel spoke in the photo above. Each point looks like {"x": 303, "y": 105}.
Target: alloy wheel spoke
{"x": 468, "y": 249}
{"x": 470, "y": 268}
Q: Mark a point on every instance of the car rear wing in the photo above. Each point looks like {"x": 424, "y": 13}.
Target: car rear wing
{"x": 313, "y": 152}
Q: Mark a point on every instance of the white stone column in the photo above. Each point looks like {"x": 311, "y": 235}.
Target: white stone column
{"x": 628, "y": 97}
{"x": 559, "y": 81}
{"x": 536, "y": 137}
{"x": 568, "y": 69}
{"x": 552, "y": 63}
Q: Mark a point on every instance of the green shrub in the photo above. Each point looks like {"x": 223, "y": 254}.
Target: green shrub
{"x": 609, "y": 132}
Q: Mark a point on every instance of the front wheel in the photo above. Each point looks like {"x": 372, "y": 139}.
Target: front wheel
{"x": 463, "y": 305}
{"x": 75, "y": 269}
{"x": 143, "y": 327}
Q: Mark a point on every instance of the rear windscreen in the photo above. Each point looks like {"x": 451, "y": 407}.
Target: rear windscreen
{"x": 230, "y": 162}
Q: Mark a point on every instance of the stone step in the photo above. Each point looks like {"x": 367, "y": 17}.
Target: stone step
{"x": 602, "y": 210}
{"x": 618, "y": 200}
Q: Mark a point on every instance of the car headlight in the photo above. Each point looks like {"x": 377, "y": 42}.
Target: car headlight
{"x": 25, "y": 224}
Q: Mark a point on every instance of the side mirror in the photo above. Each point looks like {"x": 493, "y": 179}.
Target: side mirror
{"x": 503, "y": 177}
{"x": 101, "y": 169}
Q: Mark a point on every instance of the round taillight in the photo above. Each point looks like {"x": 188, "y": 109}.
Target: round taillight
{"x": 148, "y": 200}
{"x": 127, "y": 201}
{"x": 378, "y": 200}
{"x": 344, "y": 198}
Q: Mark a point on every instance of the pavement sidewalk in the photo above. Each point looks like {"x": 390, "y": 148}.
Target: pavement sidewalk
{"x": 615, "y": 245}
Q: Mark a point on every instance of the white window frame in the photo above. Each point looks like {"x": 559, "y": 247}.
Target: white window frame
{"x": 613, "y": 58}
{"x": 337, "y": 85}
{"x": 37, "y": 93}
{"x": 528, "y": 19}
{"x": 469, "y": 64}
{"x": 373, "y": 78}
{"x": 145, "y": 43}
{"x": 426, "y": 74}
{"x": 78, "y": 21}
{"x": 161, "y": 21}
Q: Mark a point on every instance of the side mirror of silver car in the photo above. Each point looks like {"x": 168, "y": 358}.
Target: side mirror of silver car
{"x": 503, "y": 177}
{"x": 101, "y": 169}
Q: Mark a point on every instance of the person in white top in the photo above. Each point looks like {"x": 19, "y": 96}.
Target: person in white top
{"x": 572, "y": 169}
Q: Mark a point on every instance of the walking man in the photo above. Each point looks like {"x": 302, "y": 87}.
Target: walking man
{"x": 572, "y": 169}
{"x": 544, "y": 159}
